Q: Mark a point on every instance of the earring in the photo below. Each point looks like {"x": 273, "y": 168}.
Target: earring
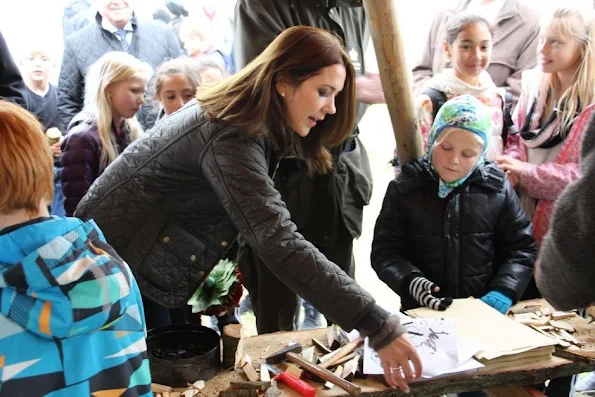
{"x": 283, "y": 94}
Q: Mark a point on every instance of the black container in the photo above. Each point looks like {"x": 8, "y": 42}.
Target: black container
{"x": 188, "y": 338}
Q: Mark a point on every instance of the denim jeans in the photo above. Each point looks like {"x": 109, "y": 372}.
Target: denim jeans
{"x": 57, "y": 207}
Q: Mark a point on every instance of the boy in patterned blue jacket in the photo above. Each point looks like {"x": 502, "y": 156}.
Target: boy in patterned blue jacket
{"x": 71, "y": 317}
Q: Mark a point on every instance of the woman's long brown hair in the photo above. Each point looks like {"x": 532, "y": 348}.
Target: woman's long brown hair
{"x": 250, "y": 102}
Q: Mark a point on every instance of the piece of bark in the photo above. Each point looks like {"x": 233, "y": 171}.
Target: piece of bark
{"x": 260, "y": 386}
{"x": 250, "y": 372}
{"x": 232, "y": 333}
{"x": 238, "y": 393}
{"x": 273, "y": 391}
{"x": 157, "y": 388}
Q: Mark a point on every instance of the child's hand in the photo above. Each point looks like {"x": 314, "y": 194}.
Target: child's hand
{"x": 498, "y": 301}
{"x": 509, "y": 164}
{"x": 57, "y": 149}
{"x": 423, "y": 290}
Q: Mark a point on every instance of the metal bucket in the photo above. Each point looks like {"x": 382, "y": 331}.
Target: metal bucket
{"x": 183, "y": 353}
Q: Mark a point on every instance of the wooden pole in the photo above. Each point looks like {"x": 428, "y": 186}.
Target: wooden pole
{"x": 395, "y": 76}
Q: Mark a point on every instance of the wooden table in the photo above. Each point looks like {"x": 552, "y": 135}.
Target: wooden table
{"x": 372, "y": 387}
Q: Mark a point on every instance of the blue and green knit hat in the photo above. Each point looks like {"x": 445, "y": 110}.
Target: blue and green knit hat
{"x": 465, "y": 112}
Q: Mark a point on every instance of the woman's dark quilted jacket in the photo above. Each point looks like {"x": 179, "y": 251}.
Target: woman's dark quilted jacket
{"x": 174, "y": 201}
{"x": 81, "y": 155}
{"x": 475, "y": 240}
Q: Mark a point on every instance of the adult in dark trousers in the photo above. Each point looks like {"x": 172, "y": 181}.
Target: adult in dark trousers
{"x": 175, "y": 199}
{"x": 328, "y": 209}
{"x": 116, "y": 28}
{"x": 12, "y": 86}
{"x": 516, "y": 30}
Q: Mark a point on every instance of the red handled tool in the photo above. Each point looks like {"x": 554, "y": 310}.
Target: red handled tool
{"x": 294, "y": 383}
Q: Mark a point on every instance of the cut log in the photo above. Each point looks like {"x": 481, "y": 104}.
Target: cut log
{"x": 232, "y": 333}
{"x": 238, "y": 393}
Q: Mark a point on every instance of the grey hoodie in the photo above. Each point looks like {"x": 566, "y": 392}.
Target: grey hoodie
{"x": 565, "y": 272}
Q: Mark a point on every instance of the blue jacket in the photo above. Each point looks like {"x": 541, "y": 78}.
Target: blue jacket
{"x": 71, "y": 317}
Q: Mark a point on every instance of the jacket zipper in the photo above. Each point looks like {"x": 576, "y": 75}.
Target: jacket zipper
{"x": 452, "y": 270}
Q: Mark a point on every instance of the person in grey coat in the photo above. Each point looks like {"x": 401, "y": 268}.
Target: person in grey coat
{"x": 565, "y": 272}
{"x": 115, "y": 29}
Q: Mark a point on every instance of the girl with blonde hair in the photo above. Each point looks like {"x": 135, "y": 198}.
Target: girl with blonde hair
{"x": 114, "y": 92}
{"x": 543, "y": 159}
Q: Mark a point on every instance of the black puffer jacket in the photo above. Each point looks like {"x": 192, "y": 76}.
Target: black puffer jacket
{"x": 152, "y": 42}
{"x": 475, "y": 240}
{"x": 173, "y": 202}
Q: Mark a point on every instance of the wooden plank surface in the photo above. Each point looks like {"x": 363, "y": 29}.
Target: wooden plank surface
{"x": 373, "y": 387}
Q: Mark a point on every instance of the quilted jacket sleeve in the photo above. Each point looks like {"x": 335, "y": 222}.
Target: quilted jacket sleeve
{"x": 516, "y": 247}
{"x": 70, "y": 85}
{"x": 388, "y": 258}
{"x": 12, "y": 86}
{"x": 80, "y": 164}
{"x": 237, "y": 170}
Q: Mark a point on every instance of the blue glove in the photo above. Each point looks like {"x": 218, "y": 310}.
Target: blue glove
{"x": 498, "y": 301}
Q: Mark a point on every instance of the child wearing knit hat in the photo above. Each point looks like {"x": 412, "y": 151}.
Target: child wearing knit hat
{"x": 451, "y": 226}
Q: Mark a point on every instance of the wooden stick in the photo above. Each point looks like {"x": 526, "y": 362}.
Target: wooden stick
{"x": 331, "y": 359}
{"x": 325, "y": 374}
{"x": 395, "y": 76}
{"x": 341, "y": 361}
{"x": 338, "y": 372}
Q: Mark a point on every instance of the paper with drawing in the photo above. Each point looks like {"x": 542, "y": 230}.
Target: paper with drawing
{"x": 437, "y": 345}
{"x": 499, "y": 335}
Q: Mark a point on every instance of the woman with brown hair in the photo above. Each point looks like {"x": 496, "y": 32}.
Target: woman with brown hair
{"x": 175, "y": 200}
